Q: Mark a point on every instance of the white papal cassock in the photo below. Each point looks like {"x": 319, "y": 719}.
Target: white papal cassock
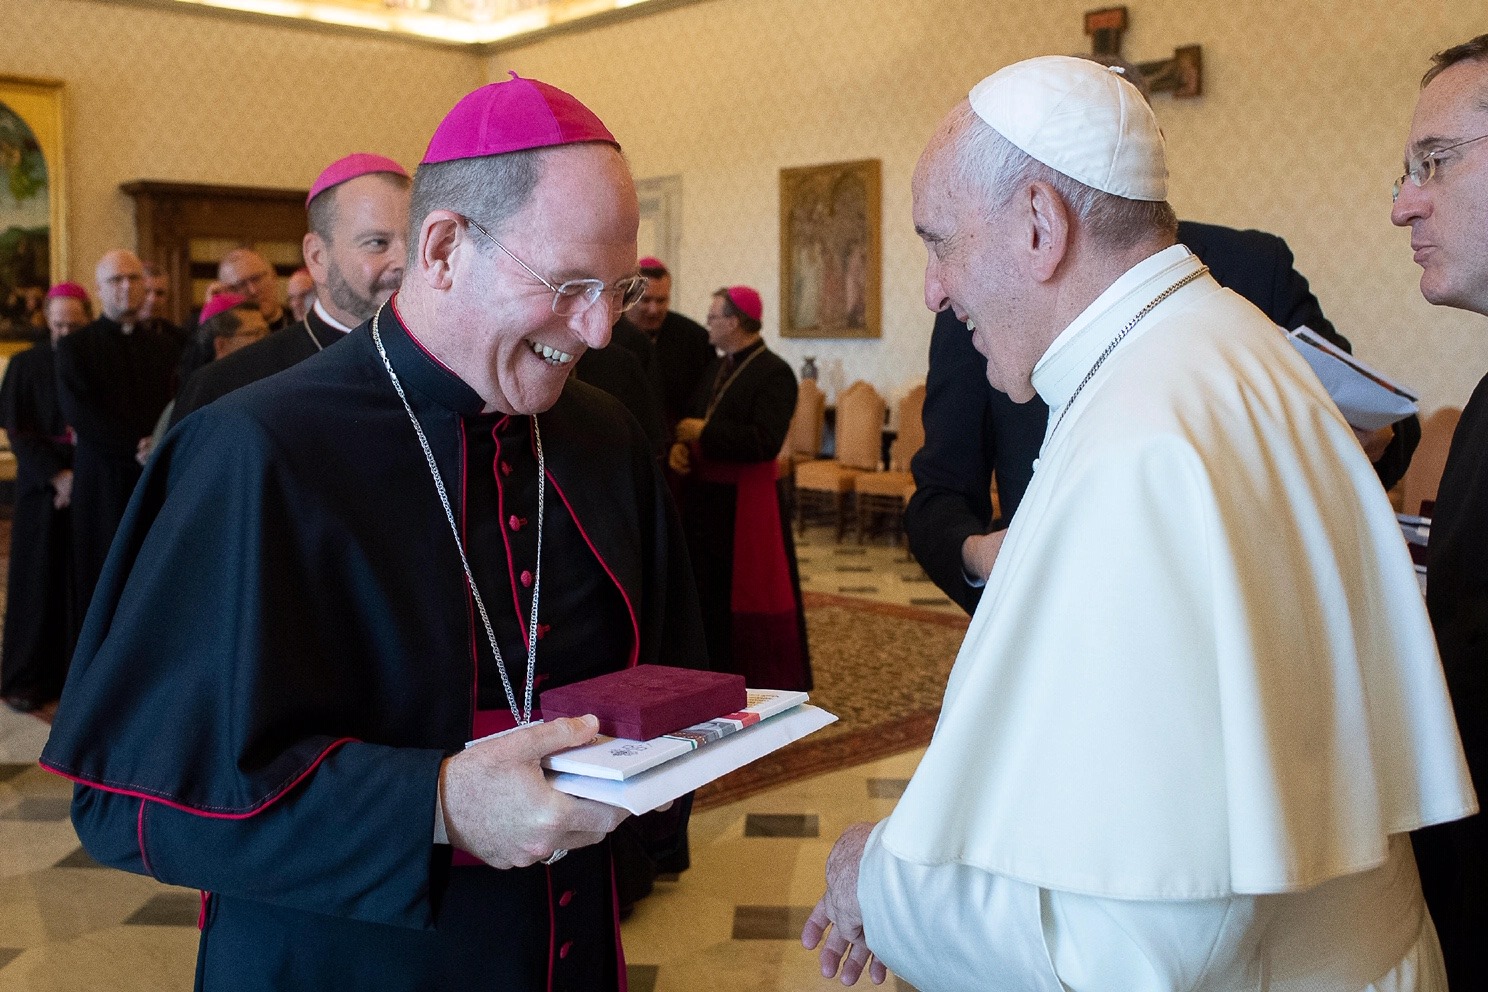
{"x": 1199, "y": 704}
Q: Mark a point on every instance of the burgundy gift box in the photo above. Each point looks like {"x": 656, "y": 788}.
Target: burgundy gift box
{"x": 648, "y": 700}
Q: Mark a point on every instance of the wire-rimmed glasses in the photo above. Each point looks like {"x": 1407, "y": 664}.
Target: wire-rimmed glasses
{"x": 577, "y": 295}
{"x": 1421, "y": 170}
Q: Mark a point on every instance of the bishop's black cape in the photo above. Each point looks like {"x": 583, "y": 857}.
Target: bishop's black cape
{"x": 112, "y": 387}
{"x": 737, "y": 527}
{"x": 38, "y": 624}
{"x": 283, "y": 348}
{"x": 282, "y": 651}
{"x": 1453, "y": 857}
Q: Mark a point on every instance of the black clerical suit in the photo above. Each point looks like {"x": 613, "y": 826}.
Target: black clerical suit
{"x": 38, "y": 621}
{"x": 280, "y": 350}
{"x": 112, "y": 387}
{"x": 618, "y": 371}
{"x": 683, "y": 355}
{"x": 747, "y": 400}
{"x": 1453, "y": 857}
{"x": 283, "y": 649}
{"x": 973, "y": 430}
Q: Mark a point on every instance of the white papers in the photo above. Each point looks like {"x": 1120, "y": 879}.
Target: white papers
{"x": 676, "y": 777}
{"x": 1367, "y": 398}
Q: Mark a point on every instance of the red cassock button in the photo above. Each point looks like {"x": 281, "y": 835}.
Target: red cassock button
{"x": 567, "y": 946}
{"x": 506, "y": 468}
{"x": 566, "y": 898}
{"x": 525, "y": 578}
{"x": 542, "y": 630}
{"x": 515, "y": 522}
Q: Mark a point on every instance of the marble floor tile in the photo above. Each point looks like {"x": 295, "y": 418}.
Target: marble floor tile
{"x": 780, "y": 825}
{"x": 168, "y": 909}
{"x": 769, "y": 922}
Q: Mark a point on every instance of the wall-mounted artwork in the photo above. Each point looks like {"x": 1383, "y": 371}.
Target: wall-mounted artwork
{"x": 830, "y": 277}
{"x": 33, "y": 251}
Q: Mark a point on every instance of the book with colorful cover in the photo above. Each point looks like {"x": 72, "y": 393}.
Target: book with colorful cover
{"x": 617, "y": 759}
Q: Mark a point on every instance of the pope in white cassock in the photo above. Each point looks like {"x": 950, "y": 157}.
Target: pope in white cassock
{"x": 1199, "y": 706}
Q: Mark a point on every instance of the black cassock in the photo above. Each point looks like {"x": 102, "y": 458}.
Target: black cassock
{"x": 738, "y": 557}
{"x": 1453, "y": 857}
{"x": 112, "y": 387}
{"x": 283, "y": 649}
{"x": 282, "y": 349}
{"x": 38, "y": 622}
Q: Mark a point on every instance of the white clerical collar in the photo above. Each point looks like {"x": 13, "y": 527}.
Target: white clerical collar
{"x": 320, "y": 312}
{"x": 1059, "y": 372}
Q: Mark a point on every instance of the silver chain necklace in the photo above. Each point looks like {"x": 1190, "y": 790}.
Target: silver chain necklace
{"x": 523, "y": 716}
{"x": 1121, "y": 334}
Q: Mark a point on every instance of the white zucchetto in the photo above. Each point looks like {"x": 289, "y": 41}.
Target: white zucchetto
{"x": 1081, "y": 119}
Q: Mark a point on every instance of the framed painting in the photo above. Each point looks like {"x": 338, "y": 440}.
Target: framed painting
{"x": 830, "y": 241}
{"x": 33, "y": 243}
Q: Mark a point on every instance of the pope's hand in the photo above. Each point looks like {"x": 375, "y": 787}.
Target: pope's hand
{"x": 679, "y": 459}
{"x": 499, "y": 808}
{"x": 690, "y": 429}
{"x": 845, "y": 950}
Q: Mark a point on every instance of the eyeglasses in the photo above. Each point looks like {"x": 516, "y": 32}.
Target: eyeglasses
{"x": 577, "y": 295}
{"x": 246, "y": 285}
{"x": 1420, "y": 171}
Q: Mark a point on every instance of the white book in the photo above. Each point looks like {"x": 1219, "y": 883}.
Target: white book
{"x": 1367, "y": 398}
{"x": 617, "y": 758}
{"x": 663, "y": 783}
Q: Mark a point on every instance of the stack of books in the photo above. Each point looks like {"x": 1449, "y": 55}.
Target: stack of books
{"x": 689, "y": 728}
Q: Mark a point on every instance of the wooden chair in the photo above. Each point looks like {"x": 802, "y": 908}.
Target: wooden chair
{"x": 886, "y": 494}
{"x": 823, "y": 486}
{"x": 804, "y": 439}
{"x": 1424, "y": 474}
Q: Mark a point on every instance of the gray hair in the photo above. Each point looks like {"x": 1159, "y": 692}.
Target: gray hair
{"x": 996, "y": 169}
{"x": 490, "y": 189}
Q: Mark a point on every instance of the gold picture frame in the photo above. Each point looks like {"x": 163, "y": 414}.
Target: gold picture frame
{"x": 32, "y": 166}
{"x": 831, "y": 277}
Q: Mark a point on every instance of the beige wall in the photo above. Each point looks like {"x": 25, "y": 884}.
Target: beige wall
{"x": 1299, "y": 133}
{"x": 195, "y": 97}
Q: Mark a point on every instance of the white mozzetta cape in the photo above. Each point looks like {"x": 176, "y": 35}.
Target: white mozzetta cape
{"x": 1202, "y": 665}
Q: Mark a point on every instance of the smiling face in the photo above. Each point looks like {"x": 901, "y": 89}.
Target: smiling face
{"x": 499, "y": 332}
{"x": 1449, "y": 214}
{"x": 972, "y": 270}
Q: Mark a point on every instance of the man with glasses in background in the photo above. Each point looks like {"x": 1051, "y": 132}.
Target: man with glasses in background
{"x": 1443, "y": 199}
{"x": 245, "y": 272}
{"x": 337, "y": 576}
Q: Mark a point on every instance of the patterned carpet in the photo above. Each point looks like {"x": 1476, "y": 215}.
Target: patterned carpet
{"x": 881, "y": 668}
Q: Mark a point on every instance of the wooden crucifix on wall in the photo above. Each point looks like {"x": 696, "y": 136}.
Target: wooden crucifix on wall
{"x": 1182, "y": 75}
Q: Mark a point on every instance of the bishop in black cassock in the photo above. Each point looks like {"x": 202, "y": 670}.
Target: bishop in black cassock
{"x": 38, "y": 605}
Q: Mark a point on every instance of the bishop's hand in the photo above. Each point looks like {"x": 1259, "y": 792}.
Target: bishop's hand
{"x": 845, "y": 953}
{"x": 499, "y": 807}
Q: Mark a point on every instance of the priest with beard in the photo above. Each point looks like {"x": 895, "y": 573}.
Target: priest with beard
{"x": 1199, "y": 707}
{"x": 336, "y": 577}
{"x": 114, "y": 377}
{"x": 355, "y": 249}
